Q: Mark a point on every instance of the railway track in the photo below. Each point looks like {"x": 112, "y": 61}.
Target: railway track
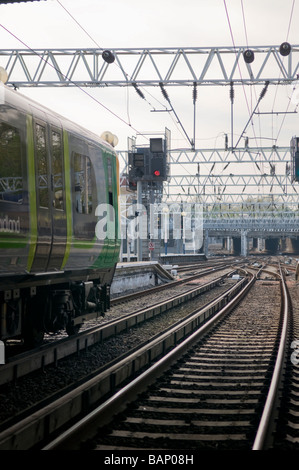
{"x": 198, "y": 271}
{"x": 218, "y": 389}
{"x": 287, "y": 433}
{"x": 59, "y": 409}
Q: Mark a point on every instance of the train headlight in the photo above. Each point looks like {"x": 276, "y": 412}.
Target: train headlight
{"x": 110, "y": 138}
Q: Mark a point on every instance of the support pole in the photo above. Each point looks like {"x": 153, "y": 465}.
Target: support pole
{"x": 139, "y": 204}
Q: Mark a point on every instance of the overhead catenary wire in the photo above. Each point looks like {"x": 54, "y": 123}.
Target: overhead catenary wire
{"x": 233, "y": 41}
{"x": 67, "y": 78}
{"x": 244, "y": 23}
{"x": 102, "y": 49}
{"x": 262, "y": 94}
{"x": 234, "y": 45}
{"x": 77, "y": 22}
{"x": 165, "y": 94}
{"x": 247, "y": 45}
{"x": 290, "y": 98}
{"x": 135, "y": 86}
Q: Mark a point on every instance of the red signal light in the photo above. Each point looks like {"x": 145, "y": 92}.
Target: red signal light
{"x": 157, "y": 173}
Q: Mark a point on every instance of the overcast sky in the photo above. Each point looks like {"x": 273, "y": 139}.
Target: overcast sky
{"x": 163, "y": 23}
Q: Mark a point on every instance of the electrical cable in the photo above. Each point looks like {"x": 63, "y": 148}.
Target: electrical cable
{"x": 165, "y": 94}
{"x": 275, "y": 96}
{"x": 97, "y": 44}
{"x": 101, "y": 48}
{"x": 80, "y": 26}
{"x": 67, "y": 78}
{"x": 263, "y": 92}
{"x": 249, "y": 108}
{"x": 254, "y": 88}
{"x": 291, "y": 17}
{"x": 244, "y": 23}
{"x": 135, "y": 86}
{"x": 233, "y": 41}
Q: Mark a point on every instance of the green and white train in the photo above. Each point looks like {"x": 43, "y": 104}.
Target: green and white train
{"x": 58, "y": 182}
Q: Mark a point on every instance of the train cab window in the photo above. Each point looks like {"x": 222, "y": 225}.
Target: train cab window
{"x": 57, "y": 170}
{"x": 83, "y": 184}
{"x": 42, "y": 166}
{"x": 11, "y": 177}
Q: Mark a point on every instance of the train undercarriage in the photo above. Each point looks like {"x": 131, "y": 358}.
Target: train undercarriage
{"x": 31, "y": 312}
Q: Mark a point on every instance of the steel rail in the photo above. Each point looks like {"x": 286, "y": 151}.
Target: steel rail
{"x": 34, "y": 429}
{"x": 118, "y": 401}
{"x": 266, "y": 419}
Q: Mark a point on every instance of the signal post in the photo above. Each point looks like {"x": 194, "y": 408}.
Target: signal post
{"x": 148, "y": 169}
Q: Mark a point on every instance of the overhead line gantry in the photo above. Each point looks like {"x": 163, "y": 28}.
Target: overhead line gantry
{"x": 182, "y": 66}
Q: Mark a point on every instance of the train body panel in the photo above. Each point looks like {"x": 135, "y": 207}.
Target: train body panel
{"x": 58, "y": 185}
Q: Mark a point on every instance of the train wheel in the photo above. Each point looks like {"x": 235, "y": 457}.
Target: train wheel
{"x": 34, "y": 338}
{"x": 33, "y": 326}
{"x": 12, "y": 316}
{"x": 72, "y": 329}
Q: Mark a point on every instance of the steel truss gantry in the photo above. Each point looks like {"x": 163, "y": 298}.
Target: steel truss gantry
{"x": 262, "y": 181}
{"x": 183, "y": 66}
{"x": 218, "y": 176}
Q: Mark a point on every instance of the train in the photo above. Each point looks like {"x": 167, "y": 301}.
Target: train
{"x": 59, "y": 221}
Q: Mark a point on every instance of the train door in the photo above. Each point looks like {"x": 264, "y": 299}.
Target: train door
{"x": 42, "y": 183}
{"x": 112, "y": 227}
{"x": 50, "y": 198}
{"x": 57, "y": 195}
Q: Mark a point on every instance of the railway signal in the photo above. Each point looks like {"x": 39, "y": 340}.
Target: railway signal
{"x": 148, "y": 164}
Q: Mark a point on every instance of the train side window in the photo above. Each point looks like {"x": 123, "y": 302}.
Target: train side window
{"x": 110, "y": 193}
{"x": 11, "y": 177}
{"x": 110, "y": 198}
{"x": 83, "y": 185}
{"x": 57, "y": 169}
{"x": 42, "y": 166}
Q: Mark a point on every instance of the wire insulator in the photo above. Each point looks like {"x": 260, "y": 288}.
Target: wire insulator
{"x": 164, "y": 92}
{"x": 194, "y": 92}
{"x": 264, "y": 90}
{"x": 232, "y": 92}
{"x": 139, "y": 91}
